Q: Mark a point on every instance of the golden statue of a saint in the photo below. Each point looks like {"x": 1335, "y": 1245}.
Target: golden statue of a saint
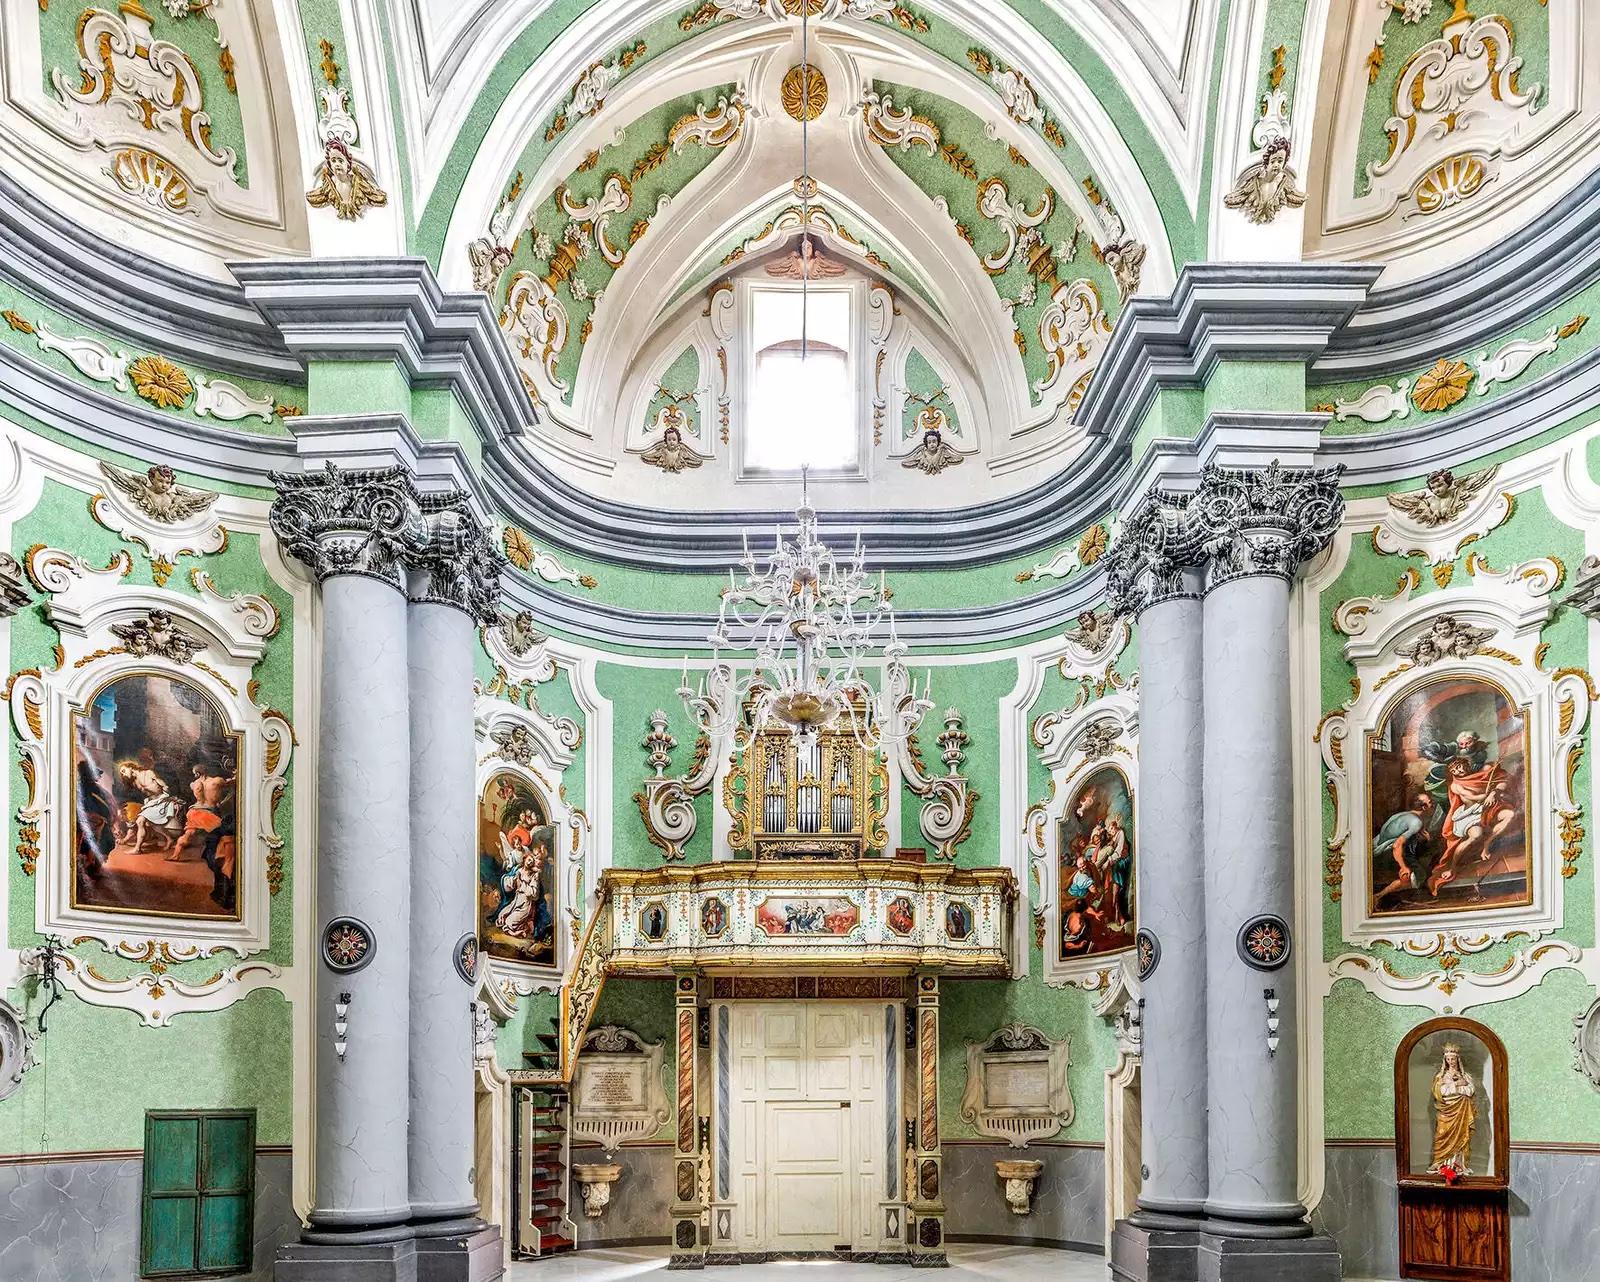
{"x": 1455, "y": 1113}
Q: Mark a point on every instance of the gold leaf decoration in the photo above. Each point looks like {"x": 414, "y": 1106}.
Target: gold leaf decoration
{"x": 1442, "y": 386}
{"x": 1279, "y": 67}
{"x": 958, "y": 160}
{"x": 229, "y": 76}
{"x": 1571, "y": 841}
{"x": 330, "y": 68}
{"x": 558, "y": 126}
{"x": 1053, "y": 134}
{"x": 519, "y": 547}
{"x": 1375, "y": 63}
{"x": 1092, "y": 546}
{"x": 649, "y": 161}
{"x": 160, "y": 382}
{"x": 804, "y": 92}
{"x": 1442, "y": 574}
{"x": 19, "y": 323}
{"x": 1573, "y": 326}
{"x": 980, "y": 60}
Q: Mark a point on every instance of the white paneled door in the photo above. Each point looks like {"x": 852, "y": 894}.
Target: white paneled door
{"x": 809, "y": 1144}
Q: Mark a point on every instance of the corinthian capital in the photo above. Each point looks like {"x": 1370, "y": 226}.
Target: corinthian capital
{"x": 456, "y": 563}
{"x": 1154, "y": 546}
{"x": 1270, "y": 520}
{"x": 349, "y": 520}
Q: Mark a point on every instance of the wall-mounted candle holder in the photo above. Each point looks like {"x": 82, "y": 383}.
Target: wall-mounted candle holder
{"x": 1271, "y": 996}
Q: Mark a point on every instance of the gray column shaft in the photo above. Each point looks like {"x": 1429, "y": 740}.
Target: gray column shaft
{"x": 362, "y": 868}
{"x": 442, "y": 844}
{"x": 1171, "y": 904}
{"x": 1249, "y": 870}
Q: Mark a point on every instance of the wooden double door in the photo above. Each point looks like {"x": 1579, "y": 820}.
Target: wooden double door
{"x": 811, "y": 1106}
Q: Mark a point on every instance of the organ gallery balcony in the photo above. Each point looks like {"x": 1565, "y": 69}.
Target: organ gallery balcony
{"x": 812, "y": 915}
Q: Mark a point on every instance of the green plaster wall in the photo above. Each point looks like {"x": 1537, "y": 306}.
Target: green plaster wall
{"x": 21, "y": 315}
{"x": 238, "y": 1057}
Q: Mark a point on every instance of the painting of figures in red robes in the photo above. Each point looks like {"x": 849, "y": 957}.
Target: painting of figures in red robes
{"x": 1447, "y": 801}
{"x": 155, "y": 801}
{"x": 1096, "y": 867}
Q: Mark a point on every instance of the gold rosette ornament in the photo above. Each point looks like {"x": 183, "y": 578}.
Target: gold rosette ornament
{"x": 804, "y": 92}
{"x": 1442, "y": 386}
{"x": 160, "y": 382}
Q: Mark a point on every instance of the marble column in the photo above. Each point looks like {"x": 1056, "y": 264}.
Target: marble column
{"x": 690, "y": 1156}
{"x": 1259, "y": 527}
{"x": 352, "y": 528}
{"x": 1154, "y": 574}
{"x": 454, "y": 586}
{"x": 926, "y": 1193}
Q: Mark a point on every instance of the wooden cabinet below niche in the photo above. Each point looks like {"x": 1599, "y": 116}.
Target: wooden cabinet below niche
{"x": 1452, "y": 1153}
{"x": 1454, "y": 1235}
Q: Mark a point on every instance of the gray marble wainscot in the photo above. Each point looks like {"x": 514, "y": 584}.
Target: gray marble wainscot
{"x": 1068, "y": 1200}
{"x": 78, "y": 1221}
{"x": 638, "y": 1214}
{"x": 1554, "y": 1230}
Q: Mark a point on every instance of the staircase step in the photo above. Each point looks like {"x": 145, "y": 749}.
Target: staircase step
{"x": 551, "y": 1040}
{"x": 554, "y": 1245}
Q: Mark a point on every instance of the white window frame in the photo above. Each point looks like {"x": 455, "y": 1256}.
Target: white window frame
{"x": 859, "y": 372}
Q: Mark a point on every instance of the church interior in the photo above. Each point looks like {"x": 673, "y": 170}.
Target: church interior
{"x": 871, "y": 635}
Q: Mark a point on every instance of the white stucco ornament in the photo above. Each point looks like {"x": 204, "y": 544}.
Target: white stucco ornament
{"x": 596, "y": 1179}
{"x": 1019, "y": 1178}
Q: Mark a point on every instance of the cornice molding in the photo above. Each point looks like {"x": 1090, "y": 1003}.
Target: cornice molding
{"x": 1479, "y": 299}
{"x": 208, "y": 322}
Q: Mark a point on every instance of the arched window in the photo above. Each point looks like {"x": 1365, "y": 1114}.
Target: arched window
{"x": 801, "y": 408}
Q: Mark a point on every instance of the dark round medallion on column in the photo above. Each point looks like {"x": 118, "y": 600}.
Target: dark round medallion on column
{"x": 466, "y": 955}
{"x": 348, "y": 944}
{"x": 1265, "y": 942}
{"x": 1149, "y": 948}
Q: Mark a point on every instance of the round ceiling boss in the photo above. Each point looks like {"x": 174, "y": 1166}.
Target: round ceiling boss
{"x": 804, "y": 92}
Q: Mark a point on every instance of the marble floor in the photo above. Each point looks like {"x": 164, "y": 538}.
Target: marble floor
{"x": 970, "y": 1263}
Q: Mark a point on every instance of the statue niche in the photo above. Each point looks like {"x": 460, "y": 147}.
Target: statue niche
{"x": 1452, "y": 1139}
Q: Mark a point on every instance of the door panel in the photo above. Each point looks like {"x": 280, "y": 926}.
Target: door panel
{"x": 807, "y": 1114}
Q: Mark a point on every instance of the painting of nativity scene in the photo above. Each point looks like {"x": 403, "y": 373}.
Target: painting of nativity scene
{"x": 1448, "y": 801}
{"x": 1096, "y": 867}
{"x": 155, "y": 801}
{"x": 516, "y": 873}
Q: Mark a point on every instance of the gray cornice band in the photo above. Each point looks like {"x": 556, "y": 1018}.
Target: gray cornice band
{"x": 601, "y": 623}
{"x": 1486, "y": 295}
{"x": 394, "y": 308}
{"x": 187, "y": 317}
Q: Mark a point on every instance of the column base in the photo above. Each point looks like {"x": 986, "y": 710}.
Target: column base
{"x": 1254, "y": 1259}
{"x": 478, "y": 1257}
{"x": 1143, "y": 1254}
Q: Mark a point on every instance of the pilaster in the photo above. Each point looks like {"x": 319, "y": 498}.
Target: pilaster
{"x": 926, "y": 1177}
{"x": 691, "y": 1156}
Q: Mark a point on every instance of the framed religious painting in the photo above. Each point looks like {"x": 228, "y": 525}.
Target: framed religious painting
{"x": 153, "y": 780}
{"x": 528, "y": 866}
{"x": 1084, "y": 838}
{"x": 1447, "y": 800}
{"x": 1452, "y": 1151}
{"x": 516, "y": 872}
{"x": 1452, "y": 768}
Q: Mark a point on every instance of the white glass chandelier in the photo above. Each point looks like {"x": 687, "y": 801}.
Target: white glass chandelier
{"x": 808, "y": 623}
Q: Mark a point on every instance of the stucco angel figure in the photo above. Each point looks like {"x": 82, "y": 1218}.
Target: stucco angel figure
{"x": 933, "y": 455}
{"x": 489, "y": 262}
{"x": 1094, "y": 630}
{"x": 157, "y": 493}
{"x": 1267, "y": 186}
{"x": 520, "y": 633}
{"x": 1445, "y": 497}
{"x": 805, "y": 262}
{"x": 345, "y": 183}
{"x": 1455, "y": 1113}
{"x": 670, "y": 454}
{"x": 1125, "y": 259}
